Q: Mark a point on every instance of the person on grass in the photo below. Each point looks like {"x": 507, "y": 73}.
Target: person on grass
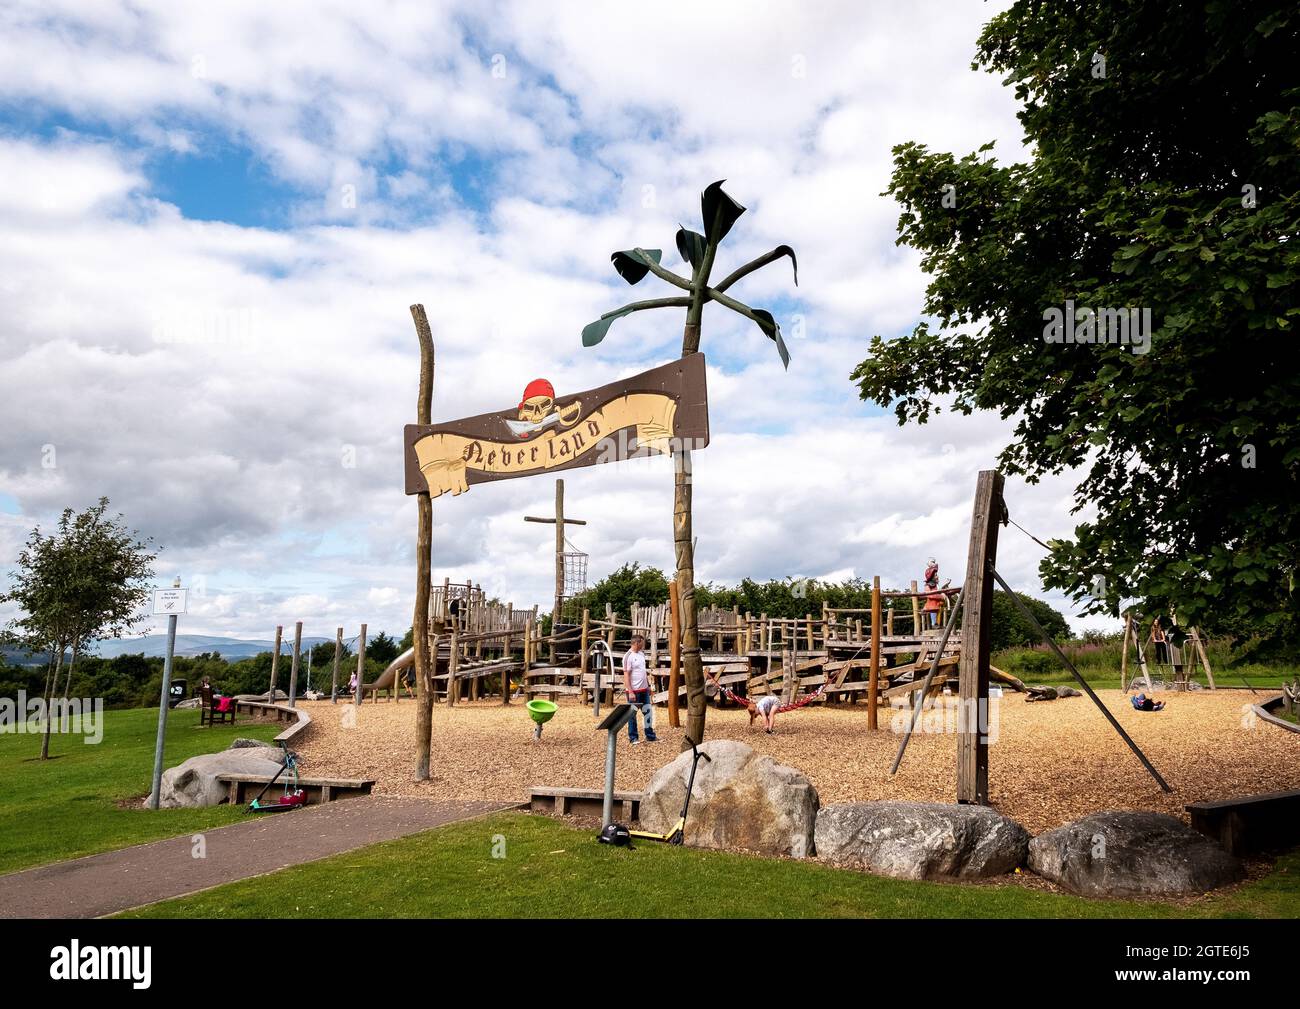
{"x": 636, "y": 684}
{"x": 766, "y": 707}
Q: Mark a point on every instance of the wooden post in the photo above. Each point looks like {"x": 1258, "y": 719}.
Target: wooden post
{"x": 560, "y": 522}
{"x": 275, "y": 663}
{"x": 1123, "y": 655}
{"x": 973, "y": 669}
{"x": 873, "y": 680}
{"x": 582, "y": 655}
{"x": 361, "y": 666}
{"x": 453, "y": 667}
{"x": 916, "y": 611}
{"x": 338, "y": 651}
{"x": 293, "y": 669}
{"x": 674, "y": 654}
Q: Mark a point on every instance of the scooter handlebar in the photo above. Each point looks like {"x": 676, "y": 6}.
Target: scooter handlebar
{"x": 698, "y": 752}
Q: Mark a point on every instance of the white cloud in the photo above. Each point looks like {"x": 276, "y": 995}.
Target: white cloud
{"x": 239, "y": 393}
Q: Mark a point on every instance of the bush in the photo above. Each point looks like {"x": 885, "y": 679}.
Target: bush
{"x": 1027, "y": 662}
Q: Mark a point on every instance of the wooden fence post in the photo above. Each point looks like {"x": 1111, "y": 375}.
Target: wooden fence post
{"x": 977, "y": 618}
{"x": 873, "y": 680}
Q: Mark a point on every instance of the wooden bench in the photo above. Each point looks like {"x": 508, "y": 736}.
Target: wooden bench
{"x": 208, "y": 711}
{"x": 587, "y": 801}
{"x": 1251, "y": 823}
{"x": 244, "y": 786}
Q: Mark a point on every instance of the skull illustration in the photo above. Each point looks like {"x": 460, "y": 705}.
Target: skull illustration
{"x": 538, "y": 401}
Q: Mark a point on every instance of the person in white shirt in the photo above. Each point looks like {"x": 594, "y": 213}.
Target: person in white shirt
{"x": 765, "y": 707}
{"x": 636, "y": 684}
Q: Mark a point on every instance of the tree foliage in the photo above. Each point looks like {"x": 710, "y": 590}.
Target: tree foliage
{"x": 1165, "y": 177}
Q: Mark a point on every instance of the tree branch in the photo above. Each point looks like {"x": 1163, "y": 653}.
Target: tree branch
{"x": 755, "y": 264}
{"x": 663, "y": 273}
{"x": 640, "y": 306}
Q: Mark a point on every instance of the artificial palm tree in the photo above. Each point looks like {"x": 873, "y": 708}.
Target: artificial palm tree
{"x": 718, "y": 212}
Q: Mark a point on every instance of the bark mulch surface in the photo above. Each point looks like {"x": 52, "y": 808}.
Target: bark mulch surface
{"x": 1049, "y": 762}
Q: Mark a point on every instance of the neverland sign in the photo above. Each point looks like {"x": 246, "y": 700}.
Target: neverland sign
{"x": 656, "y": 412}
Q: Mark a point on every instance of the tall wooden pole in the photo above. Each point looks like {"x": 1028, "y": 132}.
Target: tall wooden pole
{"x": 338, "y": 652}
{"x": 977, "y": 623}
{"x": 275, "y": 663}
{"x": 293, "y": 669}
{"x": 560, "y": 521}
{"x": 873, "y": 681}
{"x": 423, "y": 565}
{"x": 361, "y": 666}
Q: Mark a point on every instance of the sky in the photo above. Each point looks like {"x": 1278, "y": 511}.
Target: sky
{"x": 214, "y": 219}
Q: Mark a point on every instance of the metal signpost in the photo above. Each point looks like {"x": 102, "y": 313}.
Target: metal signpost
{"x": 614, "y": 721}
{"x": 172, "y": 602}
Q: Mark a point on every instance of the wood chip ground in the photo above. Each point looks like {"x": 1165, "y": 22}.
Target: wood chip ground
{"x": 1050, "y": 762}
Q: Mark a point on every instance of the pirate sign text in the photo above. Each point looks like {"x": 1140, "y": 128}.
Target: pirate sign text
{"x": 646, "y": 414}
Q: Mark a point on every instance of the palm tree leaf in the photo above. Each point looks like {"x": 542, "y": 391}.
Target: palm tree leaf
{"x": 691, "y": 245}
{"x": 594, "y": 332}
{"x": 773, "y": 332}
{"x": 785, "y": 250}
{"x": 720, "y": 212}
{"x": 631, "y": 267}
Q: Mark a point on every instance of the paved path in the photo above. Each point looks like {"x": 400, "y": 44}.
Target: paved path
{"x": 116, "y": 880}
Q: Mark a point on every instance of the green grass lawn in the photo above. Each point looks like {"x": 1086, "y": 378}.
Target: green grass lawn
{"x": 67, "y": 806}
{"x": 552, "y": 870}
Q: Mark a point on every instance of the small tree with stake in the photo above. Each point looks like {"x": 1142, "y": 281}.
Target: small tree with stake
{"x": 84, "y": 582}
{"x": 719, "y": 212}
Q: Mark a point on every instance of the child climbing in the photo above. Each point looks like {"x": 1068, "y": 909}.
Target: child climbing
{"x": 934, "y": 601}
{"x": 767, "y": 708}
{"x": 636, "y": 684}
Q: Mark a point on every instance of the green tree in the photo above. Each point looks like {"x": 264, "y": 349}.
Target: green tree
{"x": 382, "y": 648}
{"x": 85, "y": 581}
{"x": 1010, "y": 629}
{"x": 1164, "y": 177}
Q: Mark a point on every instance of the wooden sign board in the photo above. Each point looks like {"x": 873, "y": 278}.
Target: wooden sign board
{"x": 657, "y": 412}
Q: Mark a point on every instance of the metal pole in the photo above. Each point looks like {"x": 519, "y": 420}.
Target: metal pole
{"x": 1024, "y": 612}
{"x": 164, "y": 705}
{"x": 919, "y": 702}
{"x": 607, "y": 809}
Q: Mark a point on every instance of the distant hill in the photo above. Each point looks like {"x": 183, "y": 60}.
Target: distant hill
{"x": 230, "y": 649}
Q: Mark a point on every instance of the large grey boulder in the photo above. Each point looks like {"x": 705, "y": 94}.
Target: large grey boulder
{"x": 741, "y": 800}
{"x": 1131, "y": 854}
{"x": 194, "y": 782}
{"x": 921, "y": 840}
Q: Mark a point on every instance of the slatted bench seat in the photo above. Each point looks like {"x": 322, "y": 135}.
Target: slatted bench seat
{"x": 244, "y": 786}
{"x": 586, "y": 801}
{"x": 1251, "y": 823}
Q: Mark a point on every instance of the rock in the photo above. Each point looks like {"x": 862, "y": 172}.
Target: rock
{"x": 189, "y": 702}
{"x": 741, "y": 800}
{"x": 1068, "y": 692}
{"x": 194, "y": 783}
{"x": 1131, "y": 854}
{"x": 241, "y": 743}
{"x": 921, "y": 840}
